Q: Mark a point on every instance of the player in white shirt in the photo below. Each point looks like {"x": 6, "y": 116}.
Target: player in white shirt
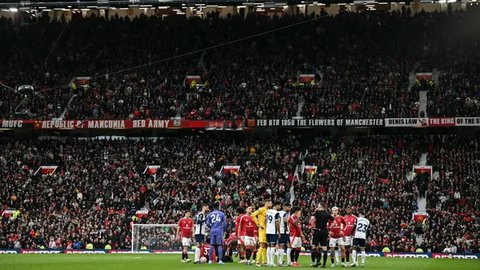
{"x": 200, "y": 231}
{"x": 284, "y": 240}
{"x": 273, "y": 231}
{"x": 362, "y": 225}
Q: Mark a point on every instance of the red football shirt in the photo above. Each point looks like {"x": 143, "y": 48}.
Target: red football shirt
{"x": 186, "y": 225}
{"x": 350, "y": 222}
{"x": 336, "y": 226}
{"x": 295, "y": 230}
{"x": 237, "y": 223}
{"x": 248, "y": 226}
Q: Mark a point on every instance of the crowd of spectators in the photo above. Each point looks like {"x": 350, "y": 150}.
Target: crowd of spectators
{"x": 100, "y": 184}
{"x": 452, "y": 197}
{"x": 457, "y": 94}
{"x": 361, "y": 63}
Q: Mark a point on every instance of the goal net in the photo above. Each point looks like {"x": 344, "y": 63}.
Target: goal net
{"x": 154, "y": 237}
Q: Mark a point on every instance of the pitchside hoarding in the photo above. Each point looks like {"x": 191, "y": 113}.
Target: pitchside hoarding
{"x": 426, "y": 255}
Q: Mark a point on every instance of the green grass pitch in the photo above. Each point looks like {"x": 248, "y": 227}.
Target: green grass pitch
{"x": 172, "y": 262}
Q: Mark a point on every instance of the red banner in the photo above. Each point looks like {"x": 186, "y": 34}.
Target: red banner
{"x": 306, "y": 78}
{"x": 428, "y": 76}
{"x": 419, "y": 216}
{"x": 441, "y": 122}
{"x": 129, "y": 124}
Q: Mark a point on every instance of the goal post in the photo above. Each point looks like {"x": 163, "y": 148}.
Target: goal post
{"x": 154, "y": 237}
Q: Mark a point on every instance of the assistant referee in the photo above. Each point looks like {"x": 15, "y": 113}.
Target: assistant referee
{"x": 320, "y": 235}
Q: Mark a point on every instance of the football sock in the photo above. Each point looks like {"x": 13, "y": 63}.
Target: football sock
{"x": 297, "y": 255}
{"x": 220, "y": 253}
{"x": 210, "y": 253}
{"x": 325, "y": 257}
{"x": 249, "y": 254}
{"x": 197, "y": 254}
{"x": 319, "y": 256}
{"x": 292, "y": 255}
{"x": 264, "y": 256}
{"x": 280, "y": 254}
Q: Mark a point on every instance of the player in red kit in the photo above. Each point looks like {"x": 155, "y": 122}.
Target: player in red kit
{"x": 350, "y": 220}
{"x": 336, "y": 228}
{"x": 247, "y": 231}
{"x": 296, "y": 235}
{"x": 241, "y": 244}
{"x": 185, "y": 230}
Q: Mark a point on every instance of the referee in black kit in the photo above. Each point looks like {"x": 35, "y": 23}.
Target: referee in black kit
{"x": 320, "y": 235}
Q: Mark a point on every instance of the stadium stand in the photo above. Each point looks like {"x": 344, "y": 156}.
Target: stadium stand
{"x": 99, "y": 185}
{"x": 261, "y": 80}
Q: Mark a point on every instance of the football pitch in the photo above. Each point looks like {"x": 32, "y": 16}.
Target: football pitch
{"x": 171, "y": 262}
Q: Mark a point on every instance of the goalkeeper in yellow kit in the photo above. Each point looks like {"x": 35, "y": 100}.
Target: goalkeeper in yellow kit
{"x": 259, "y": 217}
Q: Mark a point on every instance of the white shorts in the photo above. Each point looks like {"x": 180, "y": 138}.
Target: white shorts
{"x": 295, "y": 242}
{"x": 348, "y": 241}
{"x": 241, "y": 240}
{"x": 186, "y": 242}
{"x": 336, "y": 241}
{"x": 249, "y": 241}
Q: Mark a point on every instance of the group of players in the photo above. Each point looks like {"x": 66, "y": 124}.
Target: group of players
{"x": 275, "y": 230}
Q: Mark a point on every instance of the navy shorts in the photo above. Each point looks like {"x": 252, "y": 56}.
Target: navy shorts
{"x": 284, "y": 239}
{"x": 358, "y": 242}
{"x": 272, "y": 238}
{"x": 200, "y": 238}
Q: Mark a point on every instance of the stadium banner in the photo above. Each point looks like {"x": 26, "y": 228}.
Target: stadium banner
{"x": 8, "y": 251}
{"x": 82, "y": 251}
{"x": 133, "y": 124}
{"x": 428, "y": 76}
{"x": 425, "y": 255}
{"x": 310, "y": 169}
{"x": 46, "y": 170}
{"x": 406, "y": 122}
{"x": 455, "y": 256}
{"x": 142, "y": 213}
{"x": 40, "y": 251}
{"x": 193, "y": 80}
{"x": 230, "y": 169}
{"x": 419, "y": 216}
{"x": 304, "y": 79}
{"x": 224, "y": 125}
{"x": 82, "y": 81}
{"x": 467, "y": 121}
{"x": 298, "y": 123}
{"x": 423, "y": 169}
{"x": 442, "y": 122}
{"x": 12, "y": 123}
{"x": 128, "y": 251}
{"x": 406, "y": 255}
{"x": 151, "y": 169}
{"x": 176, "y": 123}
